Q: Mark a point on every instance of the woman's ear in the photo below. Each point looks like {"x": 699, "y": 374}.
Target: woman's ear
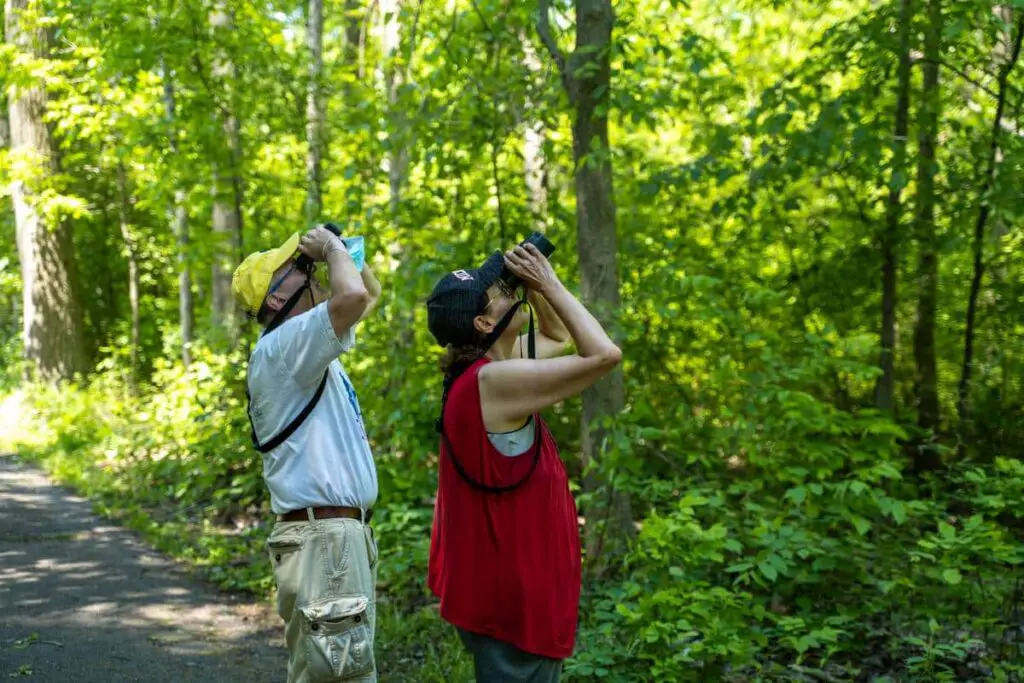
{"x": 483, "y": 324}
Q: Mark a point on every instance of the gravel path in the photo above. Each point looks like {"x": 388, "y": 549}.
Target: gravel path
{"x": 83, "y": 601}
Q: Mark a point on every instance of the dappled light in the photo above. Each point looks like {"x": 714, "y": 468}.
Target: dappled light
{"x": 801, "y": 224}
{"x": 86, "y": 601}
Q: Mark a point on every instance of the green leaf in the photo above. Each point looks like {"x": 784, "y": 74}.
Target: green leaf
{"x": 952, "y": 576}
{"x": 947, "y": 531}
{"x": 797, "y": 495}
{"x": 768, "y": 570}
{"x": 862, "y": 525}
{"x": 733, "y": 545}
{"x": 898, "y": 512}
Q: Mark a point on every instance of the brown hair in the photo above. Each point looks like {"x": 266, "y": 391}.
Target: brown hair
{"x": 457, "y": 357}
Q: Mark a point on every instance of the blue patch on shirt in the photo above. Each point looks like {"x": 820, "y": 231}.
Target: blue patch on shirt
{"x": 354, "y": 402}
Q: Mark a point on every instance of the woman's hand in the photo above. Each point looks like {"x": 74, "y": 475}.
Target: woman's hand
{"x": 532, "y": 267}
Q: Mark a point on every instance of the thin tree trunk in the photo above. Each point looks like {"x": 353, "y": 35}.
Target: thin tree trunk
{"x": 227, "y": 189}
{"x": 928, "y": 268}
{"x": 963, "y": 393}
{"x": 587, "y": 79}
{"x": 179, "y": 224}
{"x": 394, "y": 77}
{"x": 54, "y": 342}
{"x": 314, "y": 109}
{"x": 131, "y": 249}
{"x": 533, "y": 146}
{"x": 891, "y": 236}
{"x": 5, "y": 127}
{"x": 353, "y": 31}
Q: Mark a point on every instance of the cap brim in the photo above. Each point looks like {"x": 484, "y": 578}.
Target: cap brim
{"x": 280, "y": 256}
{"x": 491, "y": 269}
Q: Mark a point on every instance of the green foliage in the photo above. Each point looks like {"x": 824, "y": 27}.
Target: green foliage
{"x": 783, "y": 535}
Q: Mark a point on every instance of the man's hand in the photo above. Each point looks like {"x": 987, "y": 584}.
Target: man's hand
{"x": 319, "y": 243}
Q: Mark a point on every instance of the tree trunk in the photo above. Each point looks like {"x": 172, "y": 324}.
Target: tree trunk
{"x": 131, "y": 250}
{"x": 227, "y": 189}
{"x": 353, "y": 31}
{"x": 179, "y": 225}
{"x": 393, "y": 75}
{"x": 54, "y": 343}
{"x": 314, "y": 109}
{"x": 5, "y": 128}
{"x": 891, "y": 237}
{"x": 533, "y": 147}
{"x": 928, "y": 268}
{"x": 398, "y": 159}
{"x": 587, "y": 78}
{"x": 966, "y": 370}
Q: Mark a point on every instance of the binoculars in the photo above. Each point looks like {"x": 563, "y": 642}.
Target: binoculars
{"x": 303, "y": 262}
{"x": 353, "y": 244}
{"x": 543, "y": 245}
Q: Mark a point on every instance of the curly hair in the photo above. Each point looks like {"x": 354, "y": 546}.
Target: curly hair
{"x": 458, "y": 357}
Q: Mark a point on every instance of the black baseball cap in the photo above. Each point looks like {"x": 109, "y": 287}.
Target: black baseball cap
{"x": 458, "y": 298}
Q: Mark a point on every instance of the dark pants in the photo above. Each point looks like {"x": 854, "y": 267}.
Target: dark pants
{"x": 499, "y": 662}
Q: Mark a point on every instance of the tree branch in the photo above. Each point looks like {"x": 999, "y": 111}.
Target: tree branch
{"x": 917, "y": 58}
{"x": 200, "y": 71}
{"x": 544, "y": 30}
{"x": 483, "y": 20}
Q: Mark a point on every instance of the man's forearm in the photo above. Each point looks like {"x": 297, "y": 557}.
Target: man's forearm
{"x": 371, "y": 282}
{"x": 344, "y": 276}
{"x": 349, "y": 297}
{"x": 373, "y": 289}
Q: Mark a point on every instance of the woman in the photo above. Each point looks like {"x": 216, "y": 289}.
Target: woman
{"x": 505, "y": 548}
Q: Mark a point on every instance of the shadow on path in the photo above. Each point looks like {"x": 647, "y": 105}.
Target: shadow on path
{"x": 84, "y": 601}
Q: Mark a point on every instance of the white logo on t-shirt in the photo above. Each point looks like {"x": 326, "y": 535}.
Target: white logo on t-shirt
{"x": 462, "y": 275}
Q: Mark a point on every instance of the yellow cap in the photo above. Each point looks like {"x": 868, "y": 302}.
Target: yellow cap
{"x": 252, "y": 277}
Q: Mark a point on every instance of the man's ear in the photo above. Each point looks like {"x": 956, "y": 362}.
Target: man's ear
{"x": 483, "y": 324}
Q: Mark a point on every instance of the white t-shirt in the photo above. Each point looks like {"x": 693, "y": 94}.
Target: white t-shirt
{"x": 327, "y": 460}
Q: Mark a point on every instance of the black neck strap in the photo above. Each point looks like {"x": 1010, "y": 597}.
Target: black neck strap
{"x": 502, "y": 325}
{"x": 290, "y": 428}
{"x": 282, "y": 313}
{"x": 449, "y": 382}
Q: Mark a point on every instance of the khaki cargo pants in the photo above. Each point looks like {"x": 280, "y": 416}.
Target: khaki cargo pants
{"x": 326, "y": 574}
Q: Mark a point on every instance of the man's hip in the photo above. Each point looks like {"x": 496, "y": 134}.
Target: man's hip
{"x": 326, "y": 572}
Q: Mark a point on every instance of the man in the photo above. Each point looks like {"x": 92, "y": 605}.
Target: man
{"x": 316, "y": 458}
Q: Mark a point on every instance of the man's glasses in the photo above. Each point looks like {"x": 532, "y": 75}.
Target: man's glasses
{"x": 275, "y": 286}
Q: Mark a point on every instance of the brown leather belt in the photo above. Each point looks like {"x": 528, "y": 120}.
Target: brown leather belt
{"x": 326, "y": 513}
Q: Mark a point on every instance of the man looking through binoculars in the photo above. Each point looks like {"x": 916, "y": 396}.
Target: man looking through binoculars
{"x": 317, "y": 462}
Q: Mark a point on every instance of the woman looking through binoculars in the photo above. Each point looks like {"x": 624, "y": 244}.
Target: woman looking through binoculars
{"x": 505, "y": 547}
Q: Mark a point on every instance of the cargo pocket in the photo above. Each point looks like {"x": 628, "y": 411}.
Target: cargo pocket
{"x": 339, "y": 645}
{"x": 283, "y": 546}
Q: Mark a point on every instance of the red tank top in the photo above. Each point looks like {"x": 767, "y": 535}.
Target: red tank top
{"x": 506, "y": 565}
